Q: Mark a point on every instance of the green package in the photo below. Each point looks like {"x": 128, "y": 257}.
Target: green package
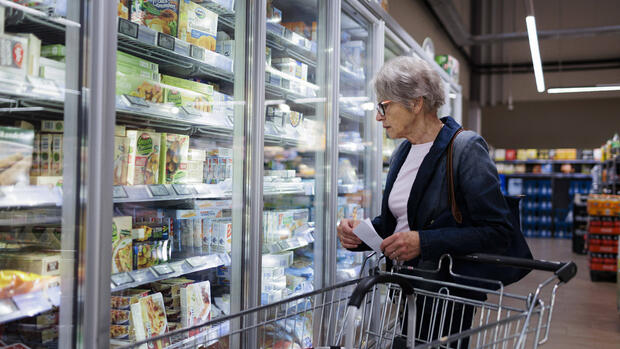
{"x": 53, "y": 51}
{"x": 137, "y": 86}
{"x": 186, "y": 93}
{"x": 134, "y": 70}
{"x": 123, "y": 58}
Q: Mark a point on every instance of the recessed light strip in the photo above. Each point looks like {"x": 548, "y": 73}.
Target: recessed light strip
{"x": 530, "y": 22}
{"x": 583, "y": 89}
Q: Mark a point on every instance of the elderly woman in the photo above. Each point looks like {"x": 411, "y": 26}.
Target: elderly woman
{"x": 416, "y": 221}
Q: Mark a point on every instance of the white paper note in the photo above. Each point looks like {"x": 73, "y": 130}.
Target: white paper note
{"x": 366, "y": 232}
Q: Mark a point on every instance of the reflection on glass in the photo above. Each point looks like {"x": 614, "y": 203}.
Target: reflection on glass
{"x": 355, "y": 109}
{"x": 173, "y": 168}
{"x": 294, "y": 147}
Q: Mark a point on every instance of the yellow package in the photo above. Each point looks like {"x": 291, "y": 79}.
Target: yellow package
{"x": 121, "y": 152}
{"x": 132, "y": 139}
{"x": 174, "y": 152}
{"x": 147, "y": 158}
{"x": 197, "y": 25}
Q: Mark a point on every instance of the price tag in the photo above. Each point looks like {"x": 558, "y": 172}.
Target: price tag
{"x": 202, "y": 189}
{"x": 142, "y": 275}
{"x": 166, "y": 41}
{"x": 197, "y": 261}
{"x": 197, "y": 52}
{"x": 178, "y": 266}
{"x": 163, "y": 269}
{"x": 119, "y": 192}
{"x": 137, "y": 192}
{"x": 122, "y": 279}
{"x": 158, "y": 190}
{"x": 191, "y": 111}
{"x": 7, "y": 306}
{"x": 128, "y": 28}
{"x": 136, "y": 101}
{"x": 182, "y": 189}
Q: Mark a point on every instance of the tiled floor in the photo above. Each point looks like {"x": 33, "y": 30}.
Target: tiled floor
{"x": 585, "y": 314}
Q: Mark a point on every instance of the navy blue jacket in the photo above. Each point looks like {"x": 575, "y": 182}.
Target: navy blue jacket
{"x": 486, "y": 226}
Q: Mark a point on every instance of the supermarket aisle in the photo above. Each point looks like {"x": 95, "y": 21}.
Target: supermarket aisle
{"x": 585, "y": 314}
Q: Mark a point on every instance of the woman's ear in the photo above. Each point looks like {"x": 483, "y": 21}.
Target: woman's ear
{"x": 417, "y": 105}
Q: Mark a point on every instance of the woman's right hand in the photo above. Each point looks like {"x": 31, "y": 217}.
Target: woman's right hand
{"x": 345, "y": 233}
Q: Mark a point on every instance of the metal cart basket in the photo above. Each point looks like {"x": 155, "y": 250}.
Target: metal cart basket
{"x": 404, "y": 308}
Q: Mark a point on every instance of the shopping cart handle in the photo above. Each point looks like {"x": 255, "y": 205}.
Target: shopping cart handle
{"x": 367, "y": 283}
{"x": 564, "y": 271}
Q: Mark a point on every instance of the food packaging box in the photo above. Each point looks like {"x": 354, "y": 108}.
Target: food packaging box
{"x": 16, "y": 148}
{"x": 174, "y": 158}
{"x": 449, "y": 64}
{"x": 521, "y": 154}
{"x": 187, "y": 225}
{"x": 226, "y": 48}
{"x": 120, "y": 331}
{"x": 195, "y": 165}
{"x": 291, "y": 67}
{"x": 132, "y": 139}
{"x": 159, "y": 15}
{"x": 120, "y": 131}
{"x": 51, "y": 63}
{"x": 54, "y": 181}
{"x": 35, "y": 170}
{"x": 53, "y": 51}
{"x": 197, "y": 25}
{"x": 145, "y": 254}
{"x": 122, "y": 300}
{"x": 123, "y": 58}
{"x": 171, "y": 287}
{"x": 136, "y": 86}
{"x": 148, "y": 318}
{"x": 42, "y": 263}
{"x": 52, "y": 126}
{"x": 57, "y": 155}
{"x": 123, "y": 9}
{"x": 511, "y": 154}
{"x": 189, "y": 94}
{"x": 37, "y": 335}
{"x": 173, "y": 302}
{"x": 13, "y": 57}
{"x": 119, "y": 317}
{"x": 52, "y": 73}
{"x": 122, "y": 249}
{"x": 121, "y": 153}
{"x": 124, "y": 69}
{"x": 499, "y": 154}
{"x": 146, "y": 158}
{"x": 34, "y": 53}
{"x": 196, "y": 305}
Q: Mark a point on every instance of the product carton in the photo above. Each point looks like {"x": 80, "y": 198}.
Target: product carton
{"x": 195, "y": 165}
{"x": 136, "y": 86}
{"x": 53, "y": 51}
{"x": 197, "y": 25}
{"x": 45, "y": 154}
{"x": 147, "y": 158}
{"x": 53, "y": 126}
{"x": 132, "y": 139}
{"x": 16, "y": 148}
{"x": 196, "y": 305}
{"x": 121, "y": 153}
{"x": 36, "y": 154}
{"x": 291, "y": 67}
{"x": 120, "y": 131}
{"x": 57, "y": 155}
{"x": 121, "y": 244}
{"x": 188, "y": 94}
{"x": 123, "y": 58}
{"x": 42, "y": 263}
{"x": 159, "y": 15}
{"x": 148, "y": 318}
{"x": 13, "y": 57}
{"x": 124, "y": 69}
{"x": 34, "y": 53}
{"x": 174, "y": 162}
{"x": 123, "y": 9}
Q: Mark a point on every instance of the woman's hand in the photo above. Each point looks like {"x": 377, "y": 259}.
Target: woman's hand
{"x": 402, "y": 246}
{"x": 345, "y": 233}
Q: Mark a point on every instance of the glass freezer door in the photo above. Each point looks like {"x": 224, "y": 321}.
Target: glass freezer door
{"x": 294, "y": 150}
{"x": 178, "y": 158}
{"x": 355, "y": 138}
{"x": 40, "y": 180}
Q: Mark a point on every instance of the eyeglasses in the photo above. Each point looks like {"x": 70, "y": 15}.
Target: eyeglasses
{"x": 381, "y": 107}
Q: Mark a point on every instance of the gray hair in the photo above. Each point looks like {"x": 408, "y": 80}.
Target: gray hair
{"x": 404, "y": 78}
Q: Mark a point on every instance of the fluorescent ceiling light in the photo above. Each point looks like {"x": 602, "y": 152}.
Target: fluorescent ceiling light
{"x": 584, "y": 89}
{"x": 530, "y": 22}
{"x": 452, "y": 95}
{"x": 368, "y": 106}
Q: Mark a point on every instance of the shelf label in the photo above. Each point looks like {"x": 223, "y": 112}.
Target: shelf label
{"x": 122, "y": 279}
{"x": 128, "y": 28}
{"x": 182, "y": 189}
{"x": 136, "y": 101}
{"x": 198, "y": 261}
{"x": 178, "y": 266}
{"x": 197, "y": 52}
{"x": 119, "y": 192}
{"x": 7, "y": 306}
{"x": 158, "y": 190}
{"x": 137, "y": 192}
{"x": 142, "y": 275}
{"x": 166, "y": 41}
{"x": 163, "y": 269}
{"x": 202, "y": 189}
{"x": 191, "y": 111}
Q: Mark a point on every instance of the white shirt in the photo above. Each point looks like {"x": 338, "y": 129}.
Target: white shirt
{"x": 399, "y": 195}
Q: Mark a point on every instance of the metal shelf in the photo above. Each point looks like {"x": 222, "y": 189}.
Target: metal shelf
{"x": 50, "y": 30}
{"x": 26, "y": 217}
{"x": 29, "y": 304}
{"x": 168, "y": 192}
{"x": 351, "y": 78}
{"x": 304, "y": 50}
{"x": 298, "y": 240}
{"x": 583, "y": 162}
{"x": 134, "y": 278}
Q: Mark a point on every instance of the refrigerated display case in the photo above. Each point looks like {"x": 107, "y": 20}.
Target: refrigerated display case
{"x": 178, "y": 167}
{"x": 44, "y": 134}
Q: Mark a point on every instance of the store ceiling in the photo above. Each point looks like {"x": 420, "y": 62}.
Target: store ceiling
{"x": 575, "y": 35}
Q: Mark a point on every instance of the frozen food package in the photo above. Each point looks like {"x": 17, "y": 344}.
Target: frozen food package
{"x": 16, "y": 148}
{"x": 13, "y": 57}
{"x": 34, "y": 53}
{"x": 52, "y": 126}
{"x": 57, "y": 155}
{"x": 188, "y": 94}
{"x": 119, "y": 317}
{"x": 132, "y": 139}
{"x": 174, "y": 161}
{"x": 119, "y": 331}
{"x": 122, "y": 249}
{"x": 121, "y": 153}
{"x": 148, "y": 318}
{"x": 137, "y": 86}
{"x": 56, "y": 52}
{"x": 197, "y": 25}
{"x": 35, "y": 170}
{"x": 196, "y": 305}
{"x": 125, "y": 59}
{"x": 122, "y": 300}
{"x": 159, "y": 15}
{"x": 147, "y": 158}
{"x": 123, "y": 9}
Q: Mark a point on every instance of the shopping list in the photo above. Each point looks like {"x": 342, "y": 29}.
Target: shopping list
{"x": 367, "y": 233}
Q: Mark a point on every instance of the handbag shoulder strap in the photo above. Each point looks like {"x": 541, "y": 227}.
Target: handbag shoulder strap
{"x": 458, "y": 217}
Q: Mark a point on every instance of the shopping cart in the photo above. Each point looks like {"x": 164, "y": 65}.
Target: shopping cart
{"x": 402, "y": 308}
